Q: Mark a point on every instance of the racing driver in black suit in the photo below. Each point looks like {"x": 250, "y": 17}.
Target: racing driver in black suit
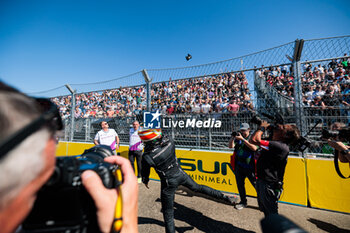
{"x": 160, "y": 154}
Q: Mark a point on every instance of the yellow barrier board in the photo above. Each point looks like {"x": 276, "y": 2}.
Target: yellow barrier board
{"x": 304, "y": 179}
{"x": 295, "y": 189}
{"x": 213, "y": 169}
{"x": 326, "y": 189}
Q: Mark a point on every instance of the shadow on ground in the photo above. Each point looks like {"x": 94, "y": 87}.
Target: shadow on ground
{"x": 195, "y": 220}
{"x": 202, "y": 222}
{"x": 325, "y": 226}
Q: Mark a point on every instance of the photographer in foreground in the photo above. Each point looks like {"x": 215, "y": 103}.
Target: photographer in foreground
{"x": 272, "y": 162}
{"x": 27, "y": 160}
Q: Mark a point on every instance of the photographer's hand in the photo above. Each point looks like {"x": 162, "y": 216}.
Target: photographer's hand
{"x": 339, "y": 146}
{"x": 251, "y": 146}
{"x": 264, "y": 124}
{"x": 239, "y": 137}
{"x": 105, "y": 199}
{"x": 130, "y": 190}
{"x": 256, "y": 137}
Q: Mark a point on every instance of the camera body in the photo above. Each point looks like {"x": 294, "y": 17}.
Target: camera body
{"x": 276, "y": 119}
{"x": 342, "y": 134}
{"x": 256, "y": 120}
{"x": 300, "y": 145}
{"x": 234, "y": 133}
{"x": 63, "y": 204}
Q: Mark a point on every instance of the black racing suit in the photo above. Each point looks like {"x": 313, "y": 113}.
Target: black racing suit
{"x": 160, "y": 154}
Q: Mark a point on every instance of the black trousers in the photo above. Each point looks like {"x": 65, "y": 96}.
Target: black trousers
{"x": 169, "y": 184}
{"x": 138, "y": 155}
{"x": 241, "y": 174}
{"x": 268, "y": 196}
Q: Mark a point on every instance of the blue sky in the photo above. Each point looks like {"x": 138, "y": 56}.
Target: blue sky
{"x": 46, "y": 44}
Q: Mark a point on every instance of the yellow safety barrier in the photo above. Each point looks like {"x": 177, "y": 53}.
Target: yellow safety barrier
{"x": 326, "y": 189}
{"x": 305, "y": 179}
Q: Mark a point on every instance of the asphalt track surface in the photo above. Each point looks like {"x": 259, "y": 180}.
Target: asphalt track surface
{"x": 195, "y": 213}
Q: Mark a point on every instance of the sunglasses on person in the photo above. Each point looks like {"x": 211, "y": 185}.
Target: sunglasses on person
{"x": 49, "y": 118}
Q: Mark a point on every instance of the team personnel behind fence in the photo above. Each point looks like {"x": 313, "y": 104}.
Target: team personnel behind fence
{"x": 135, "y": 148}
{"x": 271, "y": 163}
{"x": 160, "y": 154}
{"x": 244, "y": 165}
{"x": 107, "y": 136}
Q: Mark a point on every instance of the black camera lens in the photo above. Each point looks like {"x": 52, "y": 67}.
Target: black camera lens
{"x": 327, "y": 134}
{"x": 256, "y": 120}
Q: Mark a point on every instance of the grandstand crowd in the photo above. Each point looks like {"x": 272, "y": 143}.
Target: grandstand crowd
{"x": 224, "y": 93}
{"x": 325, "y": 88}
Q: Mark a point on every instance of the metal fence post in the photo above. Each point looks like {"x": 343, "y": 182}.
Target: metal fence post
{"x": 148, "y": 88}
{"x": 298, "y": 91}
{"x": 210, "y": 134}
{"x": 66, "y": 130}
{"x": 73, "y": 92}
{"x": 87, "y": 129}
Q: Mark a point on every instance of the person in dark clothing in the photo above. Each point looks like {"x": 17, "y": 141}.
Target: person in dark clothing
{"x": 244, "y": 162}
{"x": 159, "y": 153}
{"x": 272, "y": 162}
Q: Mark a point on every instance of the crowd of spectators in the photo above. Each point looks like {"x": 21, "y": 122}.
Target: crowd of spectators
{"x": 224, "y": 93}
{"x": 110, "y": 103}
{"x": 325, "y": 86}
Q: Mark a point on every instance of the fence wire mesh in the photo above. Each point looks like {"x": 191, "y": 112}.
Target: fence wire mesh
{"x": 230, "y": 91}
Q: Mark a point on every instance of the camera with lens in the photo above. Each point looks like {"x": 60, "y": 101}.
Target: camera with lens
{"x": 276, "y": 119}
{"x": 302, "y": 144}
{"x": 234, "y": 133}
{"x": 342, "y": 134}
{"x": 256, "y": 120}
{"x": 63, "y": 204}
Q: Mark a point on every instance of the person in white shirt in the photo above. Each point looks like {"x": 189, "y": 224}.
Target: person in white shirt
{"x": 107, "y": 136}
{"x": 135, "y": 148}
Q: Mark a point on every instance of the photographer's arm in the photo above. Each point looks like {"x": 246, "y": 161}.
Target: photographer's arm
{"x": 231, "y": 143}
{"x": 247, "y": 143}
{"x": 339, "y": 147}
{"x": 256, "y": 137}
{"x": 105, "y": 199}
